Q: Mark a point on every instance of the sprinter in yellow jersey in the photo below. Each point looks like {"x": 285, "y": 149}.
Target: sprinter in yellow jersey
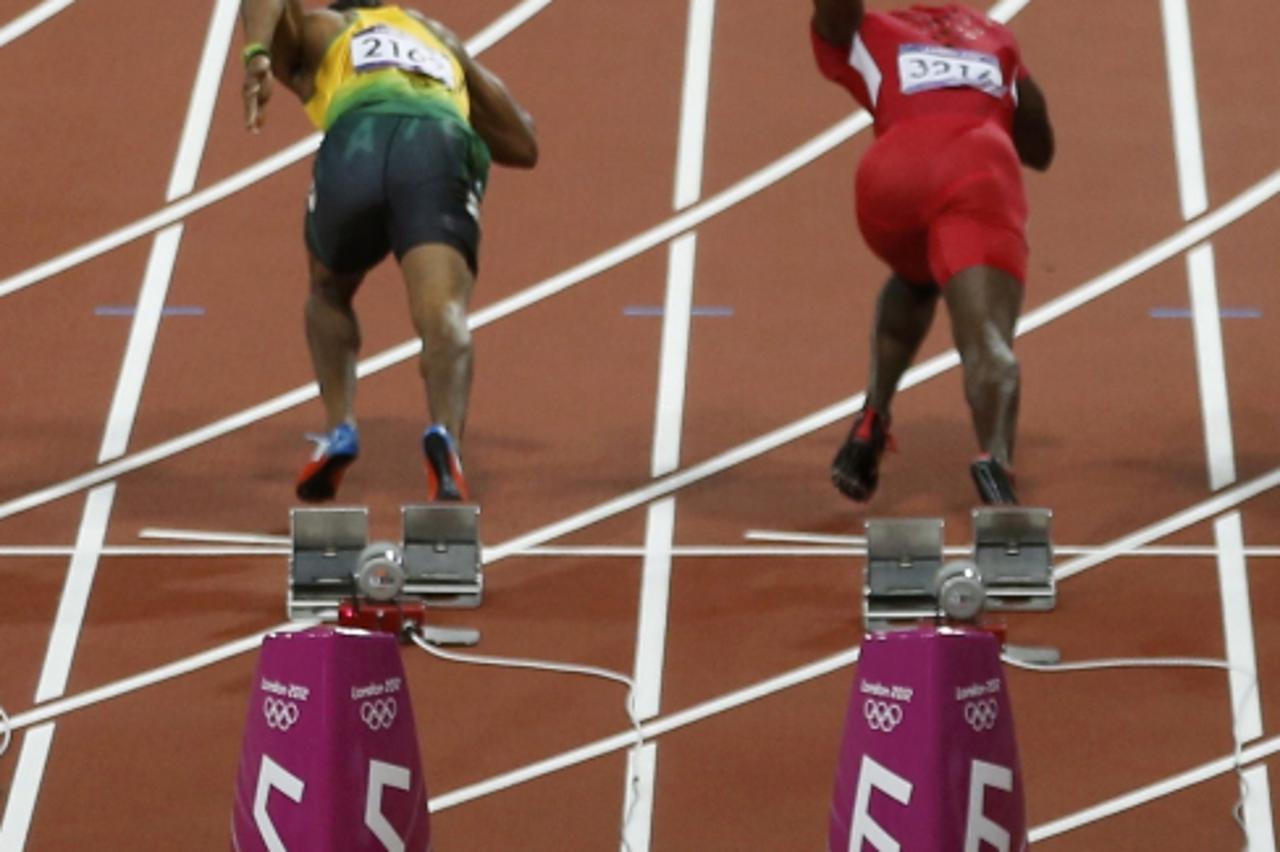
{"x": 411, "y": 123}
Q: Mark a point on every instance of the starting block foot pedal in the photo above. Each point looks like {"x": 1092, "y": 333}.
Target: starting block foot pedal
{"x": 327, "y": 544}
{"x": 442, "y": 554}
{"x": 1014, "y": 555}
{"x": 330, "y": 759}
{"x": 904, "y": 556}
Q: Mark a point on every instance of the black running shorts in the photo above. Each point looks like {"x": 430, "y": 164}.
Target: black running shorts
{"x": 393, "y": 182}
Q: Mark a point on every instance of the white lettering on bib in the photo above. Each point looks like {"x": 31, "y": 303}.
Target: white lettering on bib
{"x": 924, "y": 67}
{"x": 381, "y": 46}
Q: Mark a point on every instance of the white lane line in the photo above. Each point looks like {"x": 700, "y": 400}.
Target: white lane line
{"x": 1211, "y": 373}
{"x": 1215, "y": 505}
{"x": 1258, "y": 820}
{"x": 142, "y": 337}
{"x": 505, "y": 25}
{"x": 1237, "y": 619}
{"x": 673, "y": 366}
{"x": 1187, "y": 145}
{"x": 28, "y": 551}
{"x": 720, "y": 704}
{"x": 652, "y": 729}
{"x": 1151, "y": 792}
{"x": 16, "y": 823}
{"x": 259, "y": 171}
{"x": 75, "y": 594}
{"x": 620, "y": 551}
{"x": 1211, "y": 368}
{"x": 213, "y": 536}
{"x": 1190, "y": 234}
{"x": 61, "y": 707}
{"x": 28, "y": 21}
{"x": 603, "y": 262}
{"x": 128, "y": 392}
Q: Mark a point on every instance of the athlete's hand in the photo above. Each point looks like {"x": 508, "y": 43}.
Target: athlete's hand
{"x": 256, "y": 91}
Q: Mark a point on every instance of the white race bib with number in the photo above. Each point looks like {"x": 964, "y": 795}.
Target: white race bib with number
{"x": 381, "y": 46}
{"x": 924, "y": 67}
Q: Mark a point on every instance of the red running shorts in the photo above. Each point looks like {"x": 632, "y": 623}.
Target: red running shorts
{"x": 939, "y": 194}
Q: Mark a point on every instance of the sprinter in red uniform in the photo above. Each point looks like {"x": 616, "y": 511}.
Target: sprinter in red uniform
{"x": 939, "y": 198}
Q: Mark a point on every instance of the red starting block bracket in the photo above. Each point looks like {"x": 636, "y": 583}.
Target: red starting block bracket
{"x": 929, "y": 759}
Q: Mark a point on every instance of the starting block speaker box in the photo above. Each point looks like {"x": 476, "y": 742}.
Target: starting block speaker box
{"x": 929, "y": 760}
{"x": 330, "y": 755}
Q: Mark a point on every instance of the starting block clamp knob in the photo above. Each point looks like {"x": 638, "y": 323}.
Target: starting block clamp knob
{"x": 442, "y": 554}
{"x": 325, "y": 558}
{"x": 1014, "y": 555}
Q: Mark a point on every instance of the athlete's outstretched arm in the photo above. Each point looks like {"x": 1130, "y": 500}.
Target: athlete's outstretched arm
{"x": 276, "y": 26}
{"x": 837, "y": 20}
{"x": 1032, "y": 132}
{"x": 500, "y": 120}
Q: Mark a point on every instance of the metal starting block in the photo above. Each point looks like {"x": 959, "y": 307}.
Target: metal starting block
{"x": 442, "y": 554}
{"x": 1014, "y": 556}
{"x": 904, "y": 556}
{"x": 326, "y": 551}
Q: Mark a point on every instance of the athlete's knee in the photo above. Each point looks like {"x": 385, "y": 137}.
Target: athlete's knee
{"x": 444, "y": 329}
{"x": 990, "y": 365}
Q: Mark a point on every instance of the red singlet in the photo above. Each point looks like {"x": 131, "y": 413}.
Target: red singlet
{"x": 940, "y": 190}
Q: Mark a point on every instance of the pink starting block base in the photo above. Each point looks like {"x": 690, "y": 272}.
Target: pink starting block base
{"x": 929, "y": 761}
{"x": 330, "y": 755}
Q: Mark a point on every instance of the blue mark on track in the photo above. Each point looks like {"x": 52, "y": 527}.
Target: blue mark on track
{"x": 658, "y": 310}
{"x": 130, "y": 310}
{"x": 1224, "y": 313}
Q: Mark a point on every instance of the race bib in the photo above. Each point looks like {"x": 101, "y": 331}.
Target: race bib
{"x": 924, "y": 67}
{"x": 381, "y": 46}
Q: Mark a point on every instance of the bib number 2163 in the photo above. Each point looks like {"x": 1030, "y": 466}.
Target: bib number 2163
{"x": 386, "y": 47}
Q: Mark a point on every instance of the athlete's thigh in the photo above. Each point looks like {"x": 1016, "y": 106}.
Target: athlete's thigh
{"x": 892, "y": 190}
{"x": 980, "y": 219}
{"x": 435, "y": 182}
{"x": 346, "y": 223}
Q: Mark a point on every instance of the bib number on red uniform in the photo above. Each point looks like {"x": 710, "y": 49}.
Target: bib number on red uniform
{"x": 381, "y": 47}
{"x": 924, "y": 67}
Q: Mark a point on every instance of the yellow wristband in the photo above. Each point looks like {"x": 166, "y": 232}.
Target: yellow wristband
{"x": 255, "y": 48}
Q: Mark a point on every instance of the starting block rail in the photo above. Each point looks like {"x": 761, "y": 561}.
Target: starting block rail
{"x": 437, "y": 563}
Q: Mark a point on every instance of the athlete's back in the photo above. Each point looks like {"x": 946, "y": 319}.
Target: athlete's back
{"x": 927, "y": 60}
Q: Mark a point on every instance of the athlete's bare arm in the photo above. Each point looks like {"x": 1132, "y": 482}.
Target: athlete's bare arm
{"x": 837, "y": 20}
{"x": 504, "y": 125}
{"x": 1032, "y": 132}
{"x": 276, "y": 25}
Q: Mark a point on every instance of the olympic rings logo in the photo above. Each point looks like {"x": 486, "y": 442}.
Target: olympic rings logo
{"x": 881, "y": 715}
{"x": 280, "y": 714}
{"x": 982, "y": 715}
{"x": 378, "y": 714}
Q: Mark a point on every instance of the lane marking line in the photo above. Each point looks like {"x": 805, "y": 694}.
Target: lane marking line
{"x": 1188, "y": 235}
{"x": 619, "y": 551}
{"x": 144, "y": 329}
{"x": 1237, "y": 620}
{"x": 668, "y": 425}
{"x": 1166, "y": 249}
{"x": 1193, "y": 190}
{"x": 762, "y": 689}
{"x": 255, "y": 173}
{"x": 32, "y": 18}
{"x": 1219, "y": 503}
{"x": 1211, "y": 367}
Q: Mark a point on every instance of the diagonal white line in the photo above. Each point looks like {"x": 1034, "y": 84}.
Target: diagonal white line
{"x": 261, "y": 170}
{"x": 1045, "y": 314}
{"x": 1200, "y": 512}
{"x": 1189, "y": 235}
{"x": 29, "y": 20}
